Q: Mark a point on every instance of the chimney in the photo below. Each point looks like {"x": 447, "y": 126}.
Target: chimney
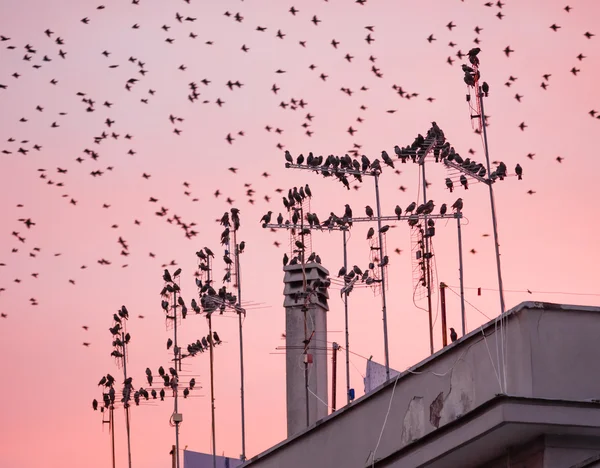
{"x": 316, "y": 320}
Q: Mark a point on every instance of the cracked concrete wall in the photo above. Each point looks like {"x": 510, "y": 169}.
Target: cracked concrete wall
{"x": 414, "y": 421}
{"x": 352, "y": 434}
{"x": 461, "y": 397}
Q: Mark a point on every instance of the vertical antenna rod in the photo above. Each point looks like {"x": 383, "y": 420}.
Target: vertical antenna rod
{"x": 345, "y": 232}
{"x": 126, "y": 403}
{"x": 334, "y": 376}
{"x": 427, "y": 260}
{"x": 382, "y": 266}
{"x": 212, "y": 390}
{"x": 493, "y": 204}
{"x": 443, "y": 307}
{"x": 111, "y": 425}
{"x": 239, "y": 312}
{"x": 461, "y": 279}
{"x": 212, "y": 387}
{"x": 304, "y": 309}
{"x": 176, "y": 390}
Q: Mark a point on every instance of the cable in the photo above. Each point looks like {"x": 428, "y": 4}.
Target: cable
{"x": 317, "y": 397}
{"x": 482, "y": 313}
{"x": 413, "y": 298}
{"x": 384, "y": 421}
{"x": 532, "y": 291}
{"x": 357, "y": 369}
{"x": 356, "y": 354}
{"x": 495, "y": 330}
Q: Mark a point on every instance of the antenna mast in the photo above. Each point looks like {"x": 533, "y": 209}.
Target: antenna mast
{"x": 240, "y": 322}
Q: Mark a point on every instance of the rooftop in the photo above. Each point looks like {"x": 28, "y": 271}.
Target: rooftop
{"x": 483, "y": 390}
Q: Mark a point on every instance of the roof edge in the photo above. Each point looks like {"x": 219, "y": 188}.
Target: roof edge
{"x": 410, "y": 370}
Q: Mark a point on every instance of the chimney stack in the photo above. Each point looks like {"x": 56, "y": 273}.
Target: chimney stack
{"x": 316, "y": 331}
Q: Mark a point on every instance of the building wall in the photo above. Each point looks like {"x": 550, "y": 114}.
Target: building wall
{"x": 548, "y": 452}
{"x": 547, "y": 351}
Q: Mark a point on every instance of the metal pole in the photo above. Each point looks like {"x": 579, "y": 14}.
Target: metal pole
{"x": 346, "y": 324}
{"x": 173, "y": 460}
{"x": 427, "y": 260}
{"x": 239, "y": 290}
{"x": 496, "y": 242}
{"x": 461, "y": 279}
{"x": 493, "y": 205}
{"x": 126, "y": 403}
{"x": 333, "y": 375}
{"x": 112, "y": 430}
{"x": 443, "y": 307}
{"x": 176, "y": 390}
{"x": 212, "y": 390}
{"x": 304, "y": 309}
{"x": 306, "y": 367}
{"x": 383, "y": 308}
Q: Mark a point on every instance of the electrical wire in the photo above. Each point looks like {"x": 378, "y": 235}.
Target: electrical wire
{"x": 478, "y": 310}
{"x": 384, "y": 421}
{"x": 413, "y": 299}
{"x": 356, "y": 354}
{"x": 317, "y": 397}
{"x": 534, "y": 292}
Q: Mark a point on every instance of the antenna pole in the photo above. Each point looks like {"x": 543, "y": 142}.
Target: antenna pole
{"x": 212, "y": 390}
{"x": 304, "y": 309}
{"x": 382, "y": 266}
{"x": 239, "y": 290}
{"x": 112, "y": 431}
{"x": 306, "y": 367}
{"x": 212, "y": 387}
{"x": 176, "y": 389}
{"x": 443, "y": 307}
{"x": 345, "y": 232}
{"x": 492, "y": 203}
{"x": 334, "y": 375}
{"x": 427, "y": 260}
{"x": 461, "y": 279}
{"x": 126, "y": 403}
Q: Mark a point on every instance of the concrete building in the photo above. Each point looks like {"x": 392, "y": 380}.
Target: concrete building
{"x": 519, "y": 392}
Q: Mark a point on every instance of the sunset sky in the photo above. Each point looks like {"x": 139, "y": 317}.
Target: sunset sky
{"x": 51, "y": 284}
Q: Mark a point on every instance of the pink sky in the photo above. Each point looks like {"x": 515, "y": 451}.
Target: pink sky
{"x": 548, "y": 240}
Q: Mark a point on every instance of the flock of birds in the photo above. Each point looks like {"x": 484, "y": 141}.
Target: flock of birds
{"x": 349, "y": 169}
{"x": 433, "y": 143}
{"x": 38, "y": 57}
{"x": 172, "y": 300}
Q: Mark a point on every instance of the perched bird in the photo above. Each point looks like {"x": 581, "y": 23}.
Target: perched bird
{"x": 519, "y": 171}
{"x": 453, "y": 335}
{"x": 485, "y": 88}
{"x": 449, "y": 184}
{"x": 458, "y": 205}
{"x": 266, "y": 219}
